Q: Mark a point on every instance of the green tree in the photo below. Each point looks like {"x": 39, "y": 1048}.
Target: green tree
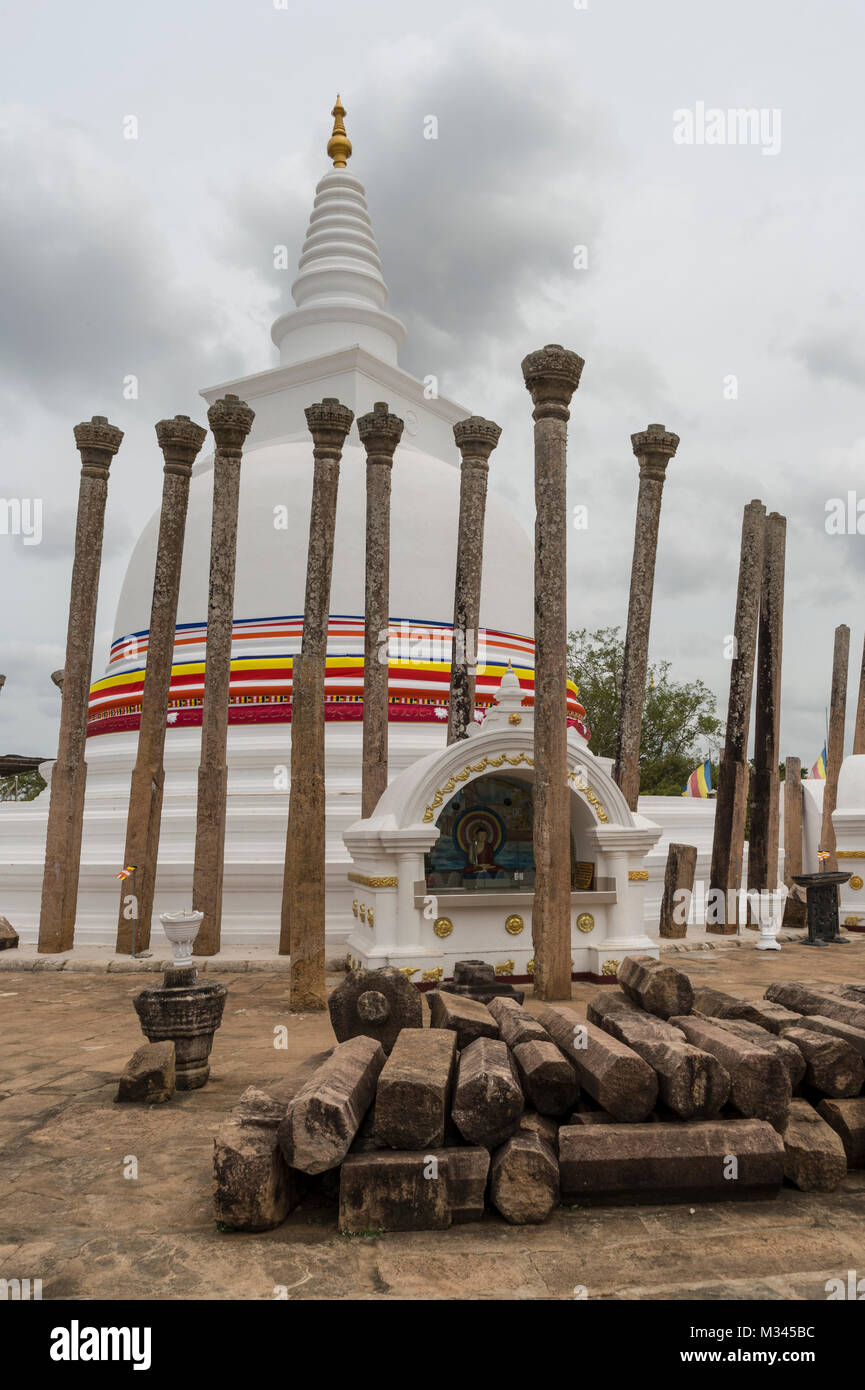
{"x": 24, "y": 787}
{"x": 680, "y": 719}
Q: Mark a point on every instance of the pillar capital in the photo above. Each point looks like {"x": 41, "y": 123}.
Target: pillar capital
{"x": 97, "y": 443}
{"x": 654, "y": 446}
{"x": 379, "y": 431}
{"x": 552, "y": 375}
{"x": 329, "y": 422}
{"x": 230, "y": 419}
{"x": 180, "y": 440}
{"x": 476, "y": 438}
{"x": 57, "y": 677}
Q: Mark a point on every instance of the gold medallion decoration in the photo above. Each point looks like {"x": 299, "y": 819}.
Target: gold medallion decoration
{"x": 585, "y": 922}
{"x": 514, "y": 924}
{"x": 435, "y": 974}
{"x": 505, "y": 967}
{"x": 443, "y": 926}
{"x": 515, "y": 719}
{"x": 610, "y": 967}
{"x": 638, "y": 875}
{"x": 856, "y": 882}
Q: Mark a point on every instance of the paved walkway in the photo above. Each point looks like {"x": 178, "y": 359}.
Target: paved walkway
{"x": 70, "y": 1216}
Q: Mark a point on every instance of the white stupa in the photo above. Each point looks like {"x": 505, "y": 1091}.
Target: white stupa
{"x": 338, "y": 340}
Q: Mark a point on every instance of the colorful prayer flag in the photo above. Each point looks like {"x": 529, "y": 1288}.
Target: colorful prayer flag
{"x": 700, "y": 781}
{"x": 125, "y": 873}
{"x": 819, "y": 768}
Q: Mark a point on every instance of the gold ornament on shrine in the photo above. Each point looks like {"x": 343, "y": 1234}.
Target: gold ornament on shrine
{"x": 856, "y": 882}
{"x": 585, "y": 922}
{"x": 443, "y": 926}
{"x": 514, "y": 924}
{"x": 610, "y": 967}
{"x": 339, "y": 145}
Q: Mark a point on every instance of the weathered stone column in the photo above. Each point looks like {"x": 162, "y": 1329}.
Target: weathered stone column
{"x": 380, "y": 432}
{"x": 180, "y": 441}
{"x": 552, "y": 375}
{"x": 859, "y": 729}
{"x": 733, "y": 771}
{"x": 654, "y": 447}
{"x": 766, "y": 795}
{"x": 230, "y": 420}
{"x": 57, "y": 678}
{"x": 475, "y": 438}
{"x": 302, "y": 930}
{"x": 835, "y": 750}
{"x": 792, "y": 820}
{"x": 97, "y": 443}
{"x": 678, "y": 878}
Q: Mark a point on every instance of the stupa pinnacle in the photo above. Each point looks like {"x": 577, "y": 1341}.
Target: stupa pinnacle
{"x": 339, "y": 145}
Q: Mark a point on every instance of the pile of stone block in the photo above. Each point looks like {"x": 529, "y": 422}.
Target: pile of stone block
{"x": 664, "y": 1093}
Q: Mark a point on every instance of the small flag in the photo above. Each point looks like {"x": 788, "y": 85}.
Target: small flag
{"x": 822, "y": 855}
{"x": 819, "y": 768}
{"x": 700, "y": 781}
{"x": 124, "y": 873}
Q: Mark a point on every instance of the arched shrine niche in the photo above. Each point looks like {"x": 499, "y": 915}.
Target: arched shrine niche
{"x": 486, "y": 833}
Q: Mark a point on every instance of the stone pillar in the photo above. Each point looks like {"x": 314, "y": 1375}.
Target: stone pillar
{"x": 766, "y": 795}
{"x": 859, "y": 730}
{"x": 654, "y": 447}
{"x": 380, "y": 432}
{"x": 180, "y": 441}
{"x": 733, "y": 771}
{"x": 679, "y": 876}
{"x": 476, "y": 438}
{"x": 230, "y": 420}
{"x": 835, "y": 750}
{"x": 552, "y": 375}
{"x": 97, "y": 443}
{"x": 302, "y": 928}
{"x": 792, "y": 820}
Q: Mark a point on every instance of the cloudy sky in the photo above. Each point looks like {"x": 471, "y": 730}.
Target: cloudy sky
{"x": 556, "y": 123}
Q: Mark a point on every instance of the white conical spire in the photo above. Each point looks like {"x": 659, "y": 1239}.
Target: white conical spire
{"x": 340, "y": 291}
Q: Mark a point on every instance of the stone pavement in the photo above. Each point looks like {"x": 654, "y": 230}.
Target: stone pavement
{"x": 69, "y": 1216}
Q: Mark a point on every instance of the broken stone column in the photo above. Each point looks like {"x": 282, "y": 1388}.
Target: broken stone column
{"x": 691, "y": 1082}
{"x": 814, "y": 1157}
{"x": 475, "y": 438}
{"x": 759, "y": 1081}
{"x": 547, "y": 1077}
{"x": 516, "y": 1024}
{"x": 678, "y": 889}
{"x": 654, "y": 448}
{"x": 253, "y": 1187}
{"x": 230, "y": 420}
{"x": 832, "y": 1066}
{"x": 377, "y": 1003}
{"x": 614, "y": 1075}
{"x": 859, "y": 729}
{"x": 411, "y": 1191}
{"x": 524, "y": 1184}
{"x": 97, "y": 443}
{"x": 380, "y": 432}
{"x": 412, "y": 1101}
{"x": 180, "y": 441}
{"x": 766, "y": 791}
{"x": 835, "y": 749}
{"x": 325, "y": 1115}
{"x": 669, "y": 1163}
{"x": 552, "y": 375}
{"x": 658, "y": 988}
{"x": 468, "y": 1018}
{"x": 302, "y": 929}
{"x": 733, "y": 769}
{"x": 792, "y": 820}
{"x": 787, "y": 1052}
{"x": 847, "y": 1118}
{"x": 815, "y": 999}
{"x": 488, "y": 1100}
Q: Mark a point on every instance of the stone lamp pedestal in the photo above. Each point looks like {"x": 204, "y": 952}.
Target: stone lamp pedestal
{"x": 821, "y": 894}
{"x": 181, "y": 1009}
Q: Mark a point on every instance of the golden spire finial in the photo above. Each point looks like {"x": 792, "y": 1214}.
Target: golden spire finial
{"x": 339, "y": 145}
